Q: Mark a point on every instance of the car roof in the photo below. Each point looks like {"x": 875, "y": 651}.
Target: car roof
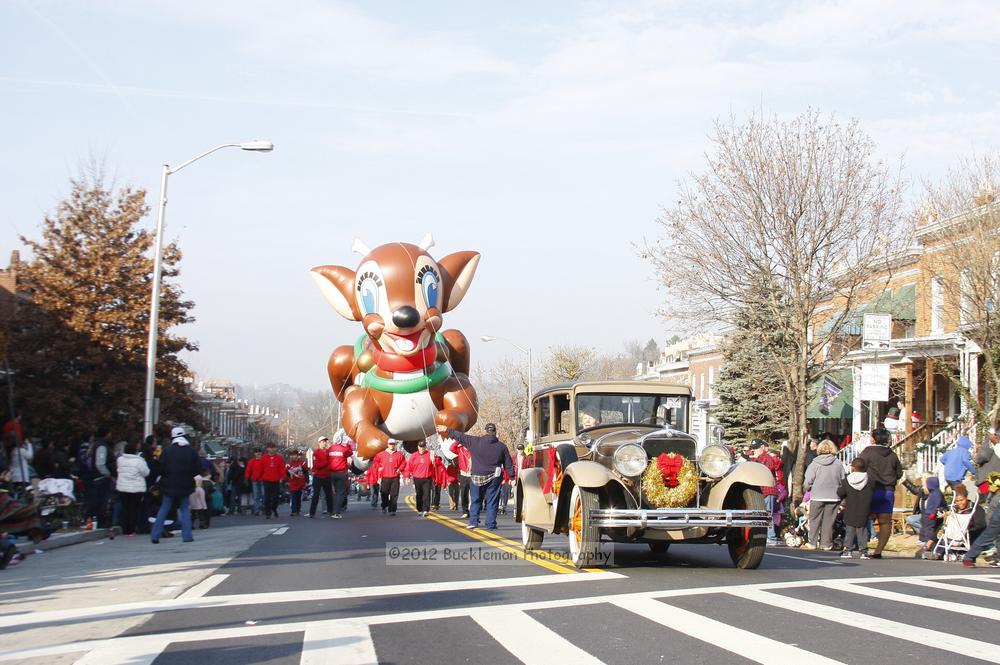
{"x": 634, "y": 387}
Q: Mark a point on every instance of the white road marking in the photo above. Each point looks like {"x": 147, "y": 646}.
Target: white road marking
{"x": 134, "y": 653}
{"x": 916, "y": 634}
{"x": 344, "y": 642}
{"x": 241, "y": 600}
{"x": 954, "y": 587}
{"x": 203, "y": 587}
{"x": 279, "y": 531}
{"x": 528, "y": 640}
{"x": 882, "y": 594}
{"x": 803, "y": 558}
{"x": 756, "y": 592}
{"x": 742, "y": 642}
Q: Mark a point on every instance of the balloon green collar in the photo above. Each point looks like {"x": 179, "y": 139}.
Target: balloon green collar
{"x": 403, "y": 386}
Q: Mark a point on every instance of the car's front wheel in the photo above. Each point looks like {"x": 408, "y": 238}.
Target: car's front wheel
{"x": 584, "y": 535}
{"x": 747, "y": 544}
{"x": 531, "y": 538}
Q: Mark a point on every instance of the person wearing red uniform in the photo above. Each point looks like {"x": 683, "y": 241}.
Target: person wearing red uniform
{"x": 274, "y": 472}
{"x": 372, "y": 477}
{"x": 420, "y": 467}
{"x": 391, "y": 463}
{"x": 298, "y": 476}
{"x": 254, "y": 473}
{"x": 440, "y": 481}
{"x": 339, "y": 454}
{"x": 464, "y": 474}
{"x": 451, "y": 482}
{"x": 321, "y": 477}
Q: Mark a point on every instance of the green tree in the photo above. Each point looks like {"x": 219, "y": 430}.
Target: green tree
{"x": 81, "y": 331}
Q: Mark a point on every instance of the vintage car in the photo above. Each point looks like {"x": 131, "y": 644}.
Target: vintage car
{"x": 615, "y": 461}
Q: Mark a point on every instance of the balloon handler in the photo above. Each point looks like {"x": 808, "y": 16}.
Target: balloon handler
{"x": 404, "y": 376}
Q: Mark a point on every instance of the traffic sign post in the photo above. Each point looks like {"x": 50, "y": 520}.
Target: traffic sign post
{"x": 876, "y": 336}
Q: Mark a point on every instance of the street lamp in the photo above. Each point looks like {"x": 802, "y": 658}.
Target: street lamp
{"x": 154, "y": 307}
{"x": 491, "y": 338}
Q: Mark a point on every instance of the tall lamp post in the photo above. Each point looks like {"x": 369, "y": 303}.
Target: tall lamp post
{"x": 491, "y": 338}
{"x": 154, "y": 307}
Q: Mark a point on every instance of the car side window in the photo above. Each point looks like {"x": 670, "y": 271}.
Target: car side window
{"x": 543, "y": 415}
{"x": 562, "y": 413}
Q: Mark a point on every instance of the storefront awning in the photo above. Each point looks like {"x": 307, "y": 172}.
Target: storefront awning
{"x": 833, "y": 395}
{"x": 902, "y": 305}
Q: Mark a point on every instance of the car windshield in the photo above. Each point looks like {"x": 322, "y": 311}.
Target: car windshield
{"x": 597, "y": 410}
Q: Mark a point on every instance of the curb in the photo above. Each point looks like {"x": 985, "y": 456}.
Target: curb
{"x": 64, "y": 540}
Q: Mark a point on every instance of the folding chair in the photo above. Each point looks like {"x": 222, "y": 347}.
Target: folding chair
{"x": 954, "y": 539}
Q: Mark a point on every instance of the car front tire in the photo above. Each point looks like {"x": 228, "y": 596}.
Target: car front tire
{"x": 746, "y": 544}
{"x": 584, "y": 536}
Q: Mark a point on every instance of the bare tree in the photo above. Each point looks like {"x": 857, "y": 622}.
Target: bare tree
{"x": 503, "y": 399}
{"x": 801, "y": 208}
{"x": 962, "y": 221}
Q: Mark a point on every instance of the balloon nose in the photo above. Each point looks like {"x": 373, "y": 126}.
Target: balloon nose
{"x": 406, "y": 317}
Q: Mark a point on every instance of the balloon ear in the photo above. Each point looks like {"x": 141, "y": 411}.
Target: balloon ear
{"x": 337, "y": 285}
{"x": 457, "y": 270}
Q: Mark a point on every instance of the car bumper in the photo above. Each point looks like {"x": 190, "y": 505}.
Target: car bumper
{"x": 680, "y": 518}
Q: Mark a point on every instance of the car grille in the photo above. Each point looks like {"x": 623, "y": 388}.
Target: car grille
{"x": 655, "y": 447}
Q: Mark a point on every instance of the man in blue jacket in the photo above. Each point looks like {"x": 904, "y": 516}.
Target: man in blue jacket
{"x": 489, "y": 456}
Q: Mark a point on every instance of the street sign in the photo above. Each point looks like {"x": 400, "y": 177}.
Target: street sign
{"x": 877, "y": 334}
{"x": 874, "y": 382}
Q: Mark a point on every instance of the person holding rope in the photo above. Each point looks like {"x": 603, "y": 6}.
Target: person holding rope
{"x": 490, "y": 458}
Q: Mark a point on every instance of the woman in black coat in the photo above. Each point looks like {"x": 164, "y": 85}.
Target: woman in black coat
{"x": 179, "y": 464}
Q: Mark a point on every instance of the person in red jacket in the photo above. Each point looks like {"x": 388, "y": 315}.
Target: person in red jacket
{"x": 440, "y": 481}
{"x": 339, "y": 454}
{"x": 275, "y": 471}
{"x": 451, "y": 482}
{"x": 391, "y": 463}
{"x": 255, "y": 475}
{"x": 420, "y": 467}
{"x": 321, "y": 477}
{"x": 372, "y": 477}
{"x": 298, "y": 476}
{"x": 464, "y": 474}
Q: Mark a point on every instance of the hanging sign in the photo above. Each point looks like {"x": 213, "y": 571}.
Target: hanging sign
{"x": 874, "y": 382}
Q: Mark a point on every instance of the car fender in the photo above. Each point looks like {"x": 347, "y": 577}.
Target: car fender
{"x": 754, "y": 474}
{"x": 588, "y": 474}
{"x": 531, "y": 504}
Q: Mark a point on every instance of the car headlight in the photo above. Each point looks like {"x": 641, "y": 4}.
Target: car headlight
{"x": 714, "y": 461}
{"x": 630, "y": 460}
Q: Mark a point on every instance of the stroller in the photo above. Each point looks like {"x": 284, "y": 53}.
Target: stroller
{"x": 954, "y": 539}
{"x": 56, "y": 499}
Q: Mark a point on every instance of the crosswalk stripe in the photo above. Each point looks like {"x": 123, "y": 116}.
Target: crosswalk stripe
{"x": 916, "y": 634}
{"x": 742, "y": 642}
{"x": 199, "y": 590}
{"x": 954, "y": 587}
{"x": 882, "y": 594}
{"x": 280, "y": 531}
{"x": 143, "y": 652}
{"x": 306, "y": 595}
{"x": 528, "y": 640}
{"x": 342, "y": 642}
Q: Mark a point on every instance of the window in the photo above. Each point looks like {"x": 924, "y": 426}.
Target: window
{"x": 937, "y": 306}
{"x": 701, "y": 390}
{"x": 965, "y": 312}
{"x": 543, "y": 416}
{"x": 562, "y": 413}
{"x": 711, "y": 382}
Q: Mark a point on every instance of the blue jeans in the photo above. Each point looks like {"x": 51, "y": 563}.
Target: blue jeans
{"x": 913, "y": 521}
{"x": 491, "y": 491}
{"x": 183, "y": 512}
{"x": 991, "y": 534}
{"x": 769, "y": 504}
{"x": 258, "y": 496}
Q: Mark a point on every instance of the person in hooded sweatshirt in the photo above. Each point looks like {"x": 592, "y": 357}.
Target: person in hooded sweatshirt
{"x": 823, "y": 478}
{"x": 179, "y": 464}
{"x": 957, "y": 461}
{"x": 884, "y": 471}
{"x": 856, "y": 491}
{"x": 930, "y": 518}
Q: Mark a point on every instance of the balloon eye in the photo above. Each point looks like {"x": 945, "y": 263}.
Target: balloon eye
{"x": 368, "y": 290}
{"x": 429, "y": 284}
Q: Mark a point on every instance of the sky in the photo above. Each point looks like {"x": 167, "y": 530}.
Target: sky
{"x": 546, "y": 136}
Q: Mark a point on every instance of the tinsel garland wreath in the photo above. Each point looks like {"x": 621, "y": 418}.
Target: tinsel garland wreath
{"x": 655, "y": 486}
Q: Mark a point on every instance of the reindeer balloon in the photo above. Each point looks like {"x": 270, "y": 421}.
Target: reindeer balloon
{"x": 404, "y": 375}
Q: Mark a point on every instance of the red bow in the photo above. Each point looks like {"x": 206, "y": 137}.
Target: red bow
{"x": 670, "y": 465}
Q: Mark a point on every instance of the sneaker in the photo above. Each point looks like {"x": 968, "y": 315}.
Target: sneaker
{"x": 968, "y": 563}
{"x": 846, "y": 555}
{"x": 471, "y": 526}
{"x": 807, "y": 546}
{"x": 383, "y": 510}
{"x": 875, "y": 555}
{"x": 337, "y": 516}
{"x": 465, "y": 516}
{"x": 864, "y": 556}
{"x": 155, "y": 541}
{"x": 312, "y": 517}
{"x": 995, "y": 564}
{"x": 773, "y": 543}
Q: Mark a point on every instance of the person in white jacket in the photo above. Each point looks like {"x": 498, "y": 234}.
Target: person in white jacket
{"x": 131, "y": 486}
{"x": 21, "y": 456}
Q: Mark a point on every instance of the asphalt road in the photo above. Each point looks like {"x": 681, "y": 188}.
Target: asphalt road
{"x": 407, "y": 589}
